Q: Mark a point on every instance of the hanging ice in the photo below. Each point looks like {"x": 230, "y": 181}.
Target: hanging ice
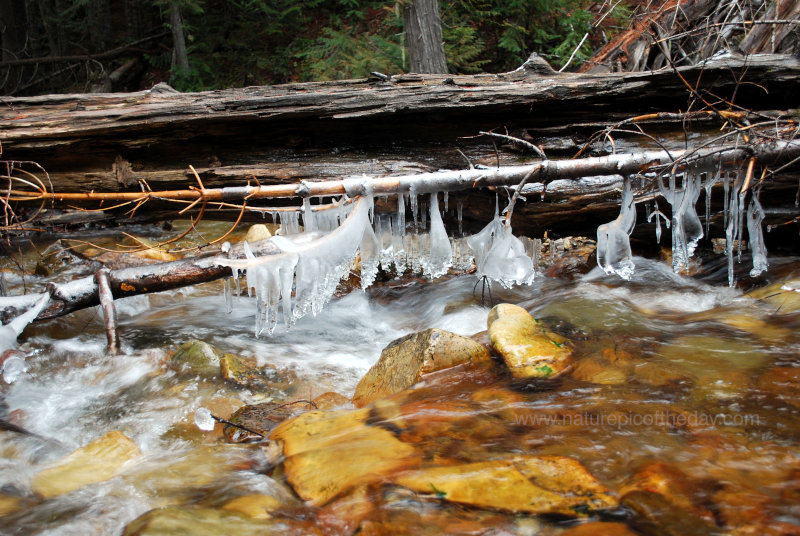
{"x": 312, "y": 266}
{"x": 657, "y": 214}
{"x": 499, "y": 255}
{"x": 613, "y": 242}
{"x": 755, "y": 215}
{"x": 686, "y": 227}
{"x": 733, "y": 230}
{"x": 439, "y": 256}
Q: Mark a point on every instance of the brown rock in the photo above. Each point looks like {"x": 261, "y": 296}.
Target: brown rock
{"x": 599, "y": 528}
{"x": 529, "y": 484}
{"x": 406, "y": 360}
{"x": 598, "y": 370}
{"x": 331, "y": 400}
{"x": 261, "y": 418}
{"x": 527, "y": 348}
{"x": 246, "y": 371}
{"x": 210, "y": 522}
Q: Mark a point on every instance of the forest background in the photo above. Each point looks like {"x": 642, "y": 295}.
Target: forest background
{"x": 59, "y": 46}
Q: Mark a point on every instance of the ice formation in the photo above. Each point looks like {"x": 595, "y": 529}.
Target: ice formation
{"x": 499, "y": 255}
{"x": 613, "y": 243}
{"x": 755, "y": 215}
{"x": 204, "y": 420}
{"x": 439, "y": 255}
{"x": 686, "y": 227}
{"x": 303, "y": 277}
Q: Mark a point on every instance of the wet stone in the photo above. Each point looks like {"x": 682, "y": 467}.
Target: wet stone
{"x": 597, "y": 370}
{"x": 406, "y": 360}
{"x": 331, "y": 400}
{"x": 261, "y": 418}
{"x": 529, "y": 350}
{"x": 246, "y": 372}
{"x": 98, "y": 461}
{"x": 328, "y": 453}
{"x": 197, "y": 357}
{"x": 525, "y": 484}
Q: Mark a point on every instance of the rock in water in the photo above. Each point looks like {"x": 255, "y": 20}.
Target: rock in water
{"x": 98, "y": 461}
{"x": 330, "y": 452}
{"x": 210, "y": 522}
{"x": 529, "y": 484}
{"x": 407, "y": 359}
{"x": 528, "y": 350}
{"x": 197, "y": 357}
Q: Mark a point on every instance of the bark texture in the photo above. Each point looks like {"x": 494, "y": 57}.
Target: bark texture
{"x": 423, "y": 27}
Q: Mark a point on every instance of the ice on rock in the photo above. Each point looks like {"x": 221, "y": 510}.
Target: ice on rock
{"x": 755, "y": 215}
{"x": 499, "y": 255}
{"x": 613, "y": 242}
{"x": 439, "y": 252}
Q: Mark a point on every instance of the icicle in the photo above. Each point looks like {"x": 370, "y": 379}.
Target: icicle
{"x": 726, "y": 185}
{"x": 370, "y": 256}
{"x": 398, "y": 243}
{"x": 755, "y": 215}
{"x": 444, "y": 198}
{"x": 658, "y": 215}
{"x": 440, "y": 254}
{"x": 308, "y": 216}
{"x": 613, "y": 243}
{"x": 732, "y": 231}
{"x": 460, "y": 215}
{"x": 712, "y": 177}
{"x": 537, "y": 251}
{"x": 412, "y": 197}
{"x": 687, "y": 229}
{"x": 423, "y": 216}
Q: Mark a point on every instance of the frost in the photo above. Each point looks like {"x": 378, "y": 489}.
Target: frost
{"x": 613, "y": 243}
{"x": 755, "y": 215}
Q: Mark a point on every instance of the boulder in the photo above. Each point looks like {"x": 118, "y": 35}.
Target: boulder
{"x": 527, "y": 348}
{"x": 521, "y": 484}
{"x": 98, "y": 461}
{"x": 404, "y": 361}
{"x": 331, "y": 400}
{"x": 328, "y": 453}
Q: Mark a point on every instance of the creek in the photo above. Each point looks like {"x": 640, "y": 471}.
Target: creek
{"x": 682, "y": 372}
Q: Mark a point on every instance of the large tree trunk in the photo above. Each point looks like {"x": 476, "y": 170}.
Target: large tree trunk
{"x": 180, "y": 58}
{"x": 424, "y": 37}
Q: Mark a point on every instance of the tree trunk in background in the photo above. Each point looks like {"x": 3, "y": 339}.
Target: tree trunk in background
{"x": 424, "y": 37}
{"x": 180, "y": 58}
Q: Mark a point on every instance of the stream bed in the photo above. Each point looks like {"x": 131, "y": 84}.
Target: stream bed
{"x": 683, "y": 399}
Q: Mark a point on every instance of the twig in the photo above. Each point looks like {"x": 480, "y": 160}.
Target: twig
{"x": 109, "y": 310}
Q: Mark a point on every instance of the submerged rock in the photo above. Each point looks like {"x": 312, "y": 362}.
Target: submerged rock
{"x": 247, "y": 372}
{"x": 525, "y": 346}
{"x": 526, "y": 484}
{"x": 331, "y": 400}
{"x": 255, "y": 506}
{"x": 197, "y": 357}
{"x": 782, "y": 383}
{"x": 406, "y": 360}
{"x": 210, "y": 522}
{"x": 599, "y": 528}
{"x": 261, "y": 418}
{"x": 597, "y": 370}
{"x": 98, "y": 461}
{"x": 330, "y": 452}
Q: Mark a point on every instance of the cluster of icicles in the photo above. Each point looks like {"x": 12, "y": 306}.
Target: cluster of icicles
{"x": 682, "y": 190}
{"x": 302, "y": 278}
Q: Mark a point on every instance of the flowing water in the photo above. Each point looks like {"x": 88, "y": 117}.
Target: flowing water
{"x": 706, "y": 388}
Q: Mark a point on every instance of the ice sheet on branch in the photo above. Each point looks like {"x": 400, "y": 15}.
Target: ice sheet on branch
{"x": 613, "y": 238}
{"x": 304, "y": 276}
{"x": 501, "y": 256}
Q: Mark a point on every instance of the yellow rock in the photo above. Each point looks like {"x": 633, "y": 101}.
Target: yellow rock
{"x": 331, "y": 400}
{"x": 330, "y": 452}
{"x": 256, "y": 506}
{"x": 780, "y": 297}
{"x": 527, "y": 349}
{"x": 529, "y": 484}
{"x": 98, "y": 461}
{"x": 210, "y": 522}
{"x": 257, "y": 232}
{"x": 407, "y": 359}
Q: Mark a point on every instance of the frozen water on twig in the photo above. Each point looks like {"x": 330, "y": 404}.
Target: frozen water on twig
{"x": 755, "y": 215}
{"x": 613, "y": 242}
